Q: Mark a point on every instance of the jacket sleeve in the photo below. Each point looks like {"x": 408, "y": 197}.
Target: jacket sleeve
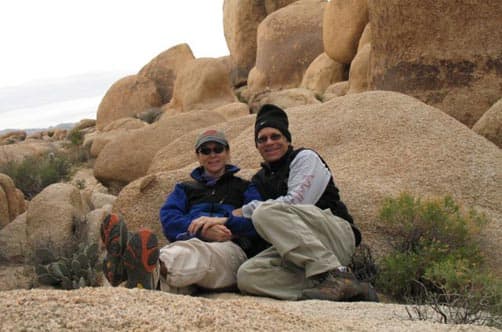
{"x": 242, "y": 226}
{"x": 174, "y": 217}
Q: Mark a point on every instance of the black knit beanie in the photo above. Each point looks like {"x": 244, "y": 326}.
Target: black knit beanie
{"x": 274, "y": 117}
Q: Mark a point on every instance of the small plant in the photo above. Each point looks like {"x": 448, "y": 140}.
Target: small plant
{"x": 80, "y": 184}
{"x": 436, "y": 258}
{"x": 72, "y": 272}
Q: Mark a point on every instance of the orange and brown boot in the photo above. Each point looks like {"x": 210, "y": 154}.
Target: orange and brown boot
{"x": 140, "y": 259}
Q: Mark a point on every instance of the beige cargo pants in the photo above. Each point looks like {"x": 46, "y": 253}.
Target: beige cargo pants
{"x": 211, "y": 265}
{"x": 305, "y": 241}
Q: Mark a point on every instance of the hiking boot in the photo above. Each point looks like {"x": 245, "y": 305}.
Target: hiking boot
{"x": 114, "y": 236}
{"x": 339, "y": 285}
{"x": 140, "y": 259}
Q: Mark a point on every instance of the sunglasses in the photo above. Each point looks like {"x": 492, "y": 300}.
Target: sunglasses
{"x": 207, "y": 151}
{"x": 264, "y": 139}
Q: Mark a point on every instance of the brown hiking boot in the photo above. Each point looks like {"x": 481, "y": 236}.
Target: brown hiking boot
{"x": 339, "y": 285}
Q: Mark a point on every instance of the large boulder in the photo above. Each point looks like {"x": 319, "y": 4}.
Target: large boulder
{"x": 289, "y": 39}
{"x": 11, "y": 200}
{"x": 128, "y": 96}
{"x": 56, "y": 219}
{"x": 321, "y": 73}
{"x": 164, "y": 67}
{"x": 128, "y": 158}
{"x": 490, "y": 124}
{"x": 203, "y": 83}
{"x": 379, "y": 144}
{"x": 343, "y": 24}
{"x": 445, "y": 53}
{"x": 240, "y": 23}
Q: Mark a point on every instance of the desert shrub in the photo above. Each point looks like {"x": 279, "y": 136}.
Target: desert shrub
{"x": 33, "y": 174}
{"x": 436, "y": 257}
{"x": 76, "y": 137}
{"x": 363, "y": 264}
{"x": 76, "y": 153}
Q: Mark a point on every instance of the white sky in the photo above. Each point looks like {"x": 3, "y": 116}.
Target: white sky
{"x": 55, "y": 38}
{"x": 57, "y": 51}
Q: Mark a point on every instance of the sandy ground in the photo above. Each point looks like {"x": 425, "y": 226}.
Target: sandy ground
{"x": 120, "y": 309}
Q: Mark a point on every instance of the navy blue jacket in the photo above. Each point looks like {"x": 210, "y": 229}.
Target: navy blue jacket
{"x": 192, "y": 199}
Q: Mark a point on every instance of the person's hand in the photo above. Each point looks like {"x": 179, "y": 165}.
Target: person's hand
{"x": 202, "y": 224}
{"x": 237, "y": 212}
{"x": 219, "y": 233}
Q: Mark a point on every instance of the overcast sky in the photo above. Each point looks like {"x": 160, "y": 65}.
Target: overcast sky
{"x": 58, "y": 51}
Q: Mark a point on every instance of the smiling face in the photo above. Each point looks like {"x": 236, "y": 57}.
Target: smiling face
{"x": 213, "y": 157}
{"x": 271, "y": 144}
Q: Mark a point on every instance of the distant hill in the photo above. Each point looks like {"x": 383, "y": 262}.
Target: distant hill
{"x": 30, "y": 131}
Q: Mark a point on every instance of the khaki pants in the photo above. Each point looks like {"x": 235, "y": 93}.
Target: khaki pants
{"x": 210, "y": 265}
{"x": 306, "y": 241}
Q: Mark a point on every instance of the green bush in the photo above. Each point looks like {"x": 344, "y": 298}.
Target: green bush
{"x": 33, "y": 174}
{"x": 76, "y": 137}
{"x": 436, "y": 255}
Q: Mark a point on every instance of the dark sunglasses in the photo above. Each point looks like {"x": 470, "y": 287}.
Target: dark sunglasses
{"x": 264, "y": 139}
{"x": 207, "y": 151}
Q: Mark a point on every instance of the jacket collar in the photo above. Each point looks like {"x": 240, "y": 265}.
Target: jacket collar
{"x": 198, "y": 174}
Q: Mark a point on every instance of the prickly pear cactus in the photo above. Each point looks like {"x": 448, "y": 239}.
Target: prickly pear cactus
{"x": 79, "y": 270}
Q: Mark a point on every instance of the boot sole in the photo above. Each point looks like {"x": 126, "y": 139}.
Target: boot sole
{"x": 140, "y": 259}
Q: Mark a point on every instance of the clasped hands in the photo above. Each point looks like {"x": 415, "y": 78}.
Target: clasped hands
{"x": 212, "y": 228}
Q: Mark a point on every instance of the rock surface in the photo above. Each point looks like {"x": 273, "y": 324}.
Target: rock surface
{"x": 121, "y": 309}
{"x": 289, "y": 39}
{"x": 490, "y": 124}
{"x": 128, "y": 96}
{"x": 240, "y": 23}
{"x": 164, "y": 67}
{"x": 321, "y": 73}
{"x": 344, "y": 22}
{"x": 202, "y": 84}
{"x": 446, "y": 53}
